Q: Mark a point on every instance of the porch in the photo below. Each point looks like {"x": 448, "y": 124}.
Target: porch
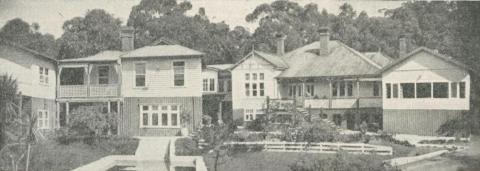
{"x": 89, "y": 80}
{"x": 332, "y": 93}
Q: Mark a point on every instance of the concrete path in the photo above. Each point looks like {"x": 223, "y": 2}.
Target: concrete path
{"x": 153, "y": 148}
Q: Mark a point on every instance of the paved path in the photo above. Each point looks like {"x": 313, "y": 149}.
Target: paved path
{"x": 153, "y": 148}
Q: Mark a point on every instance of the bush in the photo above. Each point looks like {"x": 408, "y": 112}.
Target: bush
{"x": 186, "y": 147}
{"x": 256, "y": 125}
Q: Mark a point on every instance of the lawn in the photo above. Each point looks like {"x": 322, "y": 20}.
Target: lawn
{"x": 51, "y": 156}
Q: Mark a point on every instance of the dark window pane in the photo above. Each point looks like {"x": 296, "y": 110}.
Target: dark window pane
{"x": 395, "y": 90}
{"x": 262, "y": 92}
{"x": 212, "y": 84}
{"x": 174, "y": 119}
{"x": 408, "y": 90}
{"x": 349, "y": 88}
{"x": 389, "y": 90}
{"x": 140, "y": 81}
{"x": 424, "y": 90}
{"x": 376, "y": 89}
{"x": 221, "y": 85}
{"x": 334, "y": 89}
{"x": 164, "y": 119}
{"x": 462, "y": 89}
{"x": 342, "y": 89}
{"x": 453, "y": 89}
{"x": 254, "y": 89}
{"x": 440, "y": 90}
{"x": 145, "y": 107}
{"x": 145, "y": 119}
{"x": 247, "y": 89}
{"x": 155, "y": 119}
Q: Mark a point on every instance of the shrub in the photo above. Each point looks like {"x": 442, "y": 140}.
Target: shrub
{"x": 256, "y": 125}
{"x": 186, "y": 147}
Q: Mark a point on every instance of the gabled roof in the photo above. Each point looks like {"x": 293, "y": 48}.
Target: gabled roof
{"x": 220, "y": 67}
{"x": 341, "y": 60}
{"x": 446, "y": 58}
{"x": 28, "y": 50}
{"x": 106, "y": 56}
{"x": 274, "y": 60}
{"x": 379, "y": 58}
{"x": 161, "y": 51}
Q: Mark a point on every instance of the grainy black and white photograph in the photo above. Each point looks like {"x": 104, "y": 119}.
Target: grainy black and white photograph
{"x": 239, "y": 85}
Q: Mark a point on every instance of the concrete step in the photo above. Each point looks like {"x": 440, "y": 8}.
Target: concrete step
{"x": 152, "y": 148}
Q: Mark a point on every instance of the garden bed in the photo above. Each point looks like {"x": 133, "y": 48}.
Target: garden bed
{"x": 52, "y": 156}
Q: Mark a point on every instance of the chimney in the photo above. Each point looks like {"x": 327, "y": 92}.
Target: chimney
{"x": 402, "y": 46}
{"x": 324, "y": 39}
{"x": 127, "y": 38}
{"x": 280, "y": 44}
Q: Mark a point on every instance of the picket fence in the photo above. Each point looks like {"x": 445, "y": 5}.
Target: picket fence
{"x": 324, "y": 147}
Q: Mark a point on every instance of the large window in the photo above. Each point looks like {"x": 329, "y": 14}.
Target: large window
{"x": 424, "y": 90}
{"x": 255, "y": 85}
{"x": 159, "y": 116}
{"x": 440, "y": 90}
{"x": 205, "y": 84}
{"x": 179, "y": 73}
{"x": 140, "y": 74}
{"x": 342, "y": 89}
{"x": 42, "y": 119}
{"x": 43, "y": 75}
{"x": 103, "y": 74}
{"x": 408, "y": 90}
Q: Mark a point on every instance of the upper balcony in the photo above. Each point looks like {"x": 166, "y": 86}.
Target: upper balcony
{"x": 81, "y": 79}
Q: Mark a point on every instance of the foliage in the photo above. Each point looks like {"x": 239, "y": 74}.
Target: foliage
{"x": 186, "y": 147}
{"x": 341, "y": 162}
{"x": 50, "y": 155}
{"x": 256, "y": 125}
{"x": 87, "y": 123}
{"x": 84, "y": 36}
{"x": 459, "y": 127}
{"x": 8, "y": 91}
{"x": 22, "y": 33}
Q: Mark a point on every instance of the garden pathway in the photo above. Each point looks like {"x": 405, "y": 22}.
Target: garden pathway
{"x": 153, "y": 148}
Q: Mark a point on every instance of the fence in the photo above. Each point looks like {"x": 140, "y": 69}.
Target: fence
{"x": 356, "y": 148}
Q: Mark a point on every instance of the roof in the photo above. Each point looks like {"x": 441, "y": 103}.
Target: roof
{"x": 220, "y": 67}
{"x": 430, "y": 51}
{"x": 340, "y": 61}
{"x": 161, "y": 51}
{"x": 99, "y": 57}
{"x": 31, "y": 51}
{"x": 379, "y": 58}
{"x": 275, "y": 60}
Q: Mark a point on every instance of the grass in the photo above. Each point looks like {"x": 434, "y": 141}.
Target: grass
{"x": 51, "y": 156}
{"x": 261, "y": 161}
{"x": 186, "y": 147}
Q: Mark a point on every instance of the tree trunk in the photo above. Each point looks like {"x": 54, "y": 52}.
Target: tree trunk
{"x": 217, "y": 156}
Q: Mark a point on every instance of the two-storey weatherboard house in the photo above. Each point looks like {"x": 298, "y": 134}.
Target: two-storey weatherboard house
{"x": 348, "y": 87}
{"x": 154, "y": 90}
{"x": 35, "y": 74}
{"x": 217, "y": 88}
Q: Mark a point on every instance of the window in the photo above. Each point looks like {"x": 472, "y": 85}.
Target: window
{"x": 408, "y": 90}
{"x": 42, "y": 119}
{"x": 179, "y": 73}
{"x": 376, "y": 89}
{"x": 395, "y": 90}
{"x": 453, "y": 89}
{"x": 205, "y": 84}
{"x": 440, "y": 90}
{"x": 229, "y": 86}
{"x": 349, "y": 85}
{"x": 140, "y": 73}
{"x": 334, "y": 89}
{"x": 43, "y": 74}
{"x": 300, "y": 90}
{"x": 212, "y": 84}
{"x": 251, "y": 114}
{"x": 221, "y": 85}
{"x": 103, "y": 74}
{"x": 389, "y": 90}
{"x": 342, "y": 89}
{"x": 167, "y": 116}
{"x": 254, "y": 86}
{"x": 424, "y": 90}
{"x": 462, "y": 89}
{"x": 248, "y": 115}
{"x": 310, "y": 90}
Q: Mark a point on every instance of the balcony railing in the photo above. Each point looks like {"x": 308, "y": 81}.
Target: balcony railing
{"x": 108, "y": 90}
{"x": 344, "y": 103}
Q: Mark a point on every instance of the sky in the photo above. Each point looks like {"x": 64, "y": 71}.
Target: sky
{"x": 51, "y": 14}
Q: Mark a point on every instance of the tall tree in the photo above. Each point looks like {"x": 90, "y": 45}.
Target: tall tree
{"x": 88, "y": 35}
{"x": 28, "y": 35}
